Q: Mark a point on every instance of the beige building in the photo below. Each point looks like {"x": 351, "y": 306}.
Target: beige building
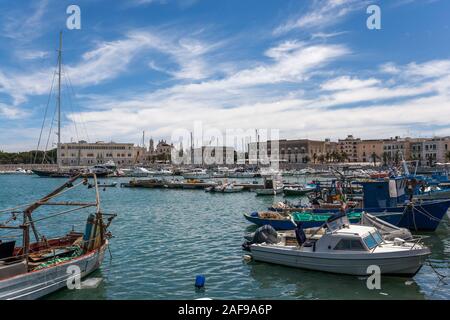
{"x": 162, "y": 151}
{"x": 349, "y": 146}
{"x": 366, "y": 149}
{"x": 395, "y": 148}
{"x": 83, "y": 153}
{"x": 292, "y": 151}
{"x": 431, "y": 151}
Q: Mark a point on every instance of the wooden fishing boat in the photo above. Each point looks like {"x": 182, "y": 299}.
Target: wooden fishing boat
{"x": 298, "y": 190}
{"x": 32, "y": 270}
{"x": 310, "y": 218}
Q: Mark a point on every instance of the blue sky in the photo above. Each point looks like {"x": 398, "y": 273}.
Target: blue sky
{"x": 309, "y": 68}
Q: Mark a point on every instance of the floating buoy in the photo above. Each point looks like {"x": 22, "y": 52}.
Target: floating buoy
{"x": 200, "y": 281}
{"x": 247, "y": 258}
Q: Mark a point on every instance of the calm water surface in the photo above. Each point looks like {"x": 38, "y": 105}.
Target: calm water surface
{"x": 163, "y": 238}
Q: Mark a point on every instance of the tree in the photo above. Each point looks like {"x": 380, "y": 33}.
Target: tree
{"x": 385, "y": 159}
{"x": 447, "y": 156}
{"x": 321, "y": 158}
{"x": 396, "y": 159}
{"x": 344, "y": 157}
{"x": 314, "y": 158}
{"x": 374, "y": 158}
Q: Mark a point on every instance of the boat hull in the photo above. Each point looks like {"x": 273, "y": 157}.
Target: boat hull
{"x": 287, "y": 224}
{"x": 37, "y": 284}
{"x": 268, "y": 192}
{"x": 402, "y": 263}
{"x": 424, "y": 216}
{"x": 290, "y": 192}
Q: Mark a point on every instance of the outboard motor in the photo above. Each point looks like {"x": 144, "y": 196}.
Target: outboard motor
{"x": 263, "y": 234}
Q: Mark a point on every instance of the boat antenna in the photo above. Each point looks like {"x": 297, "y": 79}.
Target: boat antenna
{"x": 59, "y": 97}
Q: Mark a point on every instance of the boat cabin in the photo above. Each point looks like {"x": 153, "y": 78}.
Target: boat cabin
{"x": 339, "y": 236}
{"x": 383, "y": 193}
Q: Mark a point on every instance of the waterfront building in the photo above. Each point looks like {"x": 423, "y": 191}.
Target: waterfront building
{"x": 294, "y": 151}
{"x": 369, "y": 150}
{"x": 349, "y": 147}
{"x": 83, "y": 153}
{"x": 431, "y": 151}
{"x": 395, "y": 148}
{"x": 213, "y": 155}
{"x": 162, "y": 151}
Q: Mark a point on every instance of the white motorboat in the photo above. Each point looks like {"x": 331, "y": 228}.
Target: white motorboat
{"x": 231, "y": 188}
{"x": 340, "y": 248}
{"x": 163, "y": 172}
{"x": 138, "y": 172}
{"x": 272, "y": 186}
{"x": 433, "y": 193}
{"x": 197, "y": 173}
{"x": 100, "y": 170}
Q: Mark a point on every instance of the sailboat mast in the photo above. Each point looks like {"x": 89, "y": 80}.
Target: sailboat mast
{"x": 59, "y": 97}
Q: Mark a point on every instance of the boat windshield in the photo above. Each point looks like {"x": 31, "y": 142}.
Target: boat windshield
{"x": 370, "y": 241}
{"x": 378, "y": 238}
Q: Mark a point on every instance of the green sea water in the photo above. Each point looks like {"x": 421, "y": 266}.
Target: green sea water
{"x": 164, "y": 238}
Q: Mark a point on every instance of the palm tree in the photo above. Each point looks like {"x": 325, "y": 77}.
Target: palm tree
{"x": 385, "y": 159}
{"x": 344, "y": 156}
{"x": 374, "y": 158}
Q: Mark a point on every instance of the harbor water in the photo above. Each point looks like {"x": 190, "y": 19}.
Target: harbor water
{"x": 164, "y": 238}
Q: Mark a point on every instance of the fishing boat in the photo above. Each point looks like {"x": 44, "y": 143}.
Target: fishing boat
{"x": 340, "y": 247}
{"x": 107, "y": 185}
{"x": 272, "y": 186}
{"x": 32, "y": 270}
{"x": 299, "y": 190}
{"x": 310, "y": 218}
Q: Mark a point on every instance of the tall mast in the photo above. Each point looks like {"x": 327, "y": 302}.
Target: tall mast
{"x": 59, "y": 97}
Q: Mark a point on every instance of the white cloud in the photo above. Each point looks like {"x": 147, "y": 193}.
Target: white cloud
{"x": 321, "y": 14}
{"x": 348, "y": 83}
{"x": 10, "y": 112}
{"x": 25, "y": 24}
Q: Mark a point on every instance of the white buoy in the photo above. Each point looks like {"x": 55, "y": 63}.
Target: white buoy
{"x": 247, "y": 258}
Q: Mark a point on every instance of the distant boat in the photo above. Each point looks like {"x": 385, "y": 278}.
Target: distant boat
{"x": 138, "y": 172}
{"x": 196, "y": 174}
{"x": 299, "y": 190}
{"x": 272, "y": 186}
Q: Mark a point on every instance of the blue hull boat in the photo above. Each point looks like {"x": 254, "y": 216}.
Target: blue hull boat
{"x": 321, "y": 217}
{"x": 424, "y": 216}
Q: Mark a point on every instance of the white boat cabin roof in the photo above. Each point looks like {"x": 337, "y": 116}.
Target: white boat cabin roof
{"x": 355, "y": 230}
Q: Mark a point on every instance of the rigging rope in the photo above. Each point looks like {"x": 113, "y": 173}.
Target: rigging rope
{"x": 68, "y": 95}
{"x": 73, "y": 94}
{"x": 49, "y": 133}
{"x": 45, "y": 116}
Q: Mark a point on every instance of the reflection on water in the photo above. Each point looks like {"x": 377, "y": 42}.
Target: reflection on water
{"x": 164, "y": 238}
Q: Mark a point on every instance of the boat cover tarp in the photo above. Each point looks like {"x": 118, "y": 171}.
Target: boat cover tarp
{"x": 388, "y": 231}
